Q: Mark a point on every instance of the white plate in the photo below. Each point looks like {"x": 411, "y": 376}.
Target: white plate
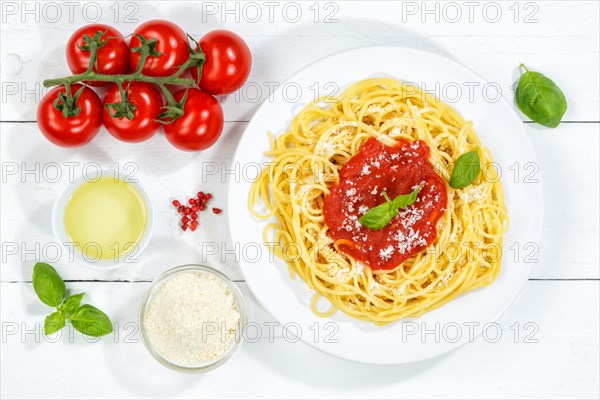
{"x": 440, "y": 330}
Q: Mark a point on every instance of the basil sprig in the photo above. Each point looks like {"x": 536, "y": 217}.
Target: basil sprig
{"x": 91, "y": 321}
{"x": 71, "y": 304}
{"x": 54, "y": 322}
{"x": 49, "y": 287}
{"x": 538, "y": 97}
{"x": 51, "y": 290}
{"x": 465, "y": 170}
{"x": 378, "y": 217}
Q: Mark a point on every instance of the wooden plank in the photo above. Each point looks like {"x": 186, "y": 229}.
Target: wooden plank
{"x": 554, "y": 356}
{"x": 558, "y": 44}
{"x": 568, "y": 249}
{"x": 569, "y": 246}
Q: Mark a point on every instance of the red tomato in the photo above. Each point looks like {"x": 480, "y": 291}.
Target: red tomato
{"x": 201, "y": 123}
{"x": 228, "y": 62}
{"x": 146, "y": 99}
{"x": 70, "y": 131}
{"x": 111, "y": 57}
{"x": 172, "y": 43}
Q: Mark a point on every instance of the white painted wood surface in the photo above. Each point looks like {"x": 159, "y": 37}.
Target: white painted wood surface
{"x": 561, "y": 300}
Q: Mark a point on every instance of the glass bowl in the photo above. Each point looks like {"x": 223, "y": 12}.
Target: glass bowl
{"x": 61, "y": 235}
{"x": 241, "y": 308}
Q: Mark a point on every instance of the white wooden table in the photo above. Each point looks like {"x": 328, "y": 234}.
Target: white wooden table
{"x": 555, "y": 355}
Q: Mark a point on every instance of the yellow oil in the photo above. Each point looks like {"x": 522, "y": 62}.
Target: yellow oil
{"x": 106, "y": 218}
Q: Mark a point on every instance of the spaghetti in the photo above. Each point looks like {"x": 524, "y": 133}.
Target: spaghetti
{"x": 308, "y": 158}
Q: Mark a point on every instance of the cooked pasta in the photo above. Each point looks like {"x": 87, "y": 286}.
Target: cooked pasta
{"x": 306, "y": 165}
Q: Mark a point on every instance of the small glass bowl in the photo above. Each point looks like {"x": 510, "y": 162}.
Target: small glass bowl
{"x": 61, "y": 235}
{"x": 241, "y": 308}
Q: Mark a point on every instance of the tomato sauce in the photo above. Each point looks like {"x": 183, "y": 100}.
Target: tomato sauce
{"x": 396, "y": 170}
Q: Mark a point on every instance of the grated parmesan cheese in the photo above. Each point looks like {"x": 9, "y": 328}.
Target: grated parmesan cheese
{"x": 325, "y": 149}
{"x": 386, "y": 253}
{"x": 192, "y": 319}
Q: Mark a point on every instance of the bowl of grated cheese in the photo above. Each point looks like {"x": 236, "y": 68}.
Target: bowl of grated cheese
{"x": 191, "y": 318}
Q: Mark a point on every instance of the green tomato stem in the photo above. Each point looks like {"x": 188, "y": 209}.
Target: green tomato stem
{"x": 136, "y": 76}
{"x": 170, "y": 99}
{"x": 143, "y": 57}
{"x": 92, "y": 76}
{"x": 93, "y": 55}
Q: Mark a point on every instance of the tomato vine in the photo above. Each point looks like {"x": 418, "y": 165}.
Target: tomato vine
{"x": 173, "y": 109}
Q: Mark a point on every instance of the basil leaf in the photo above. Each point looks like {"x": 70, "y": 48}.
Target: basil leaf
{"x": 48, "y": 285}
{"x": 71, "y": 304}
{"x": 405, "y": 200}
{"x": 538, "y": 97}
{"x": 91, "y": 321}
{"x": 378, "y": 217}
{"x": 465, "y": 170}
{"x": 53, "y": 323}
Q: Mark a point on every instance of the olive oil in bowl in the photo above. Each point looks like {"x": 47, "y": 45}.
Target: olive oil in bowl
{"x": 105, "y": 222}
{"x": 105, "y": 219}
